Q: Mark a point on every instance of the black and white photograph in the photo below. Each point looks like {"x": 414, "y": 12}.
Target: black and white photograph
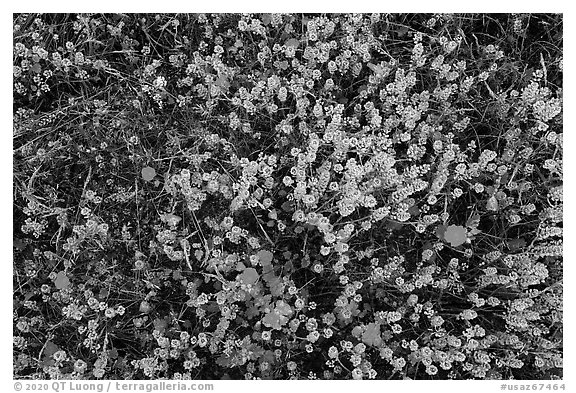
{"x": 199, "y": 197}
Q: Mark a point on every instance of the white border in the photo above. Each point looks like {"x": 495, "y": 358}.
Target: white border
{"x": 306, "y": 6}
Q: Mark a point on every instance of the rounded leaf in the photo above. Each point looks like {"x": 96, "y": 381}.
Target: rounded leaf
{"x": 266, "y": 19}
{"x": 440, "y": 231}
{"x": 148, "y": 173}
{"x": 249, "y": 276}
{"x": 265, "y": 257}
{"x": 272, "y": 320}
{"x": 371, "y": 335}
{"x": 455, "y": 235}
{"x": 283, "y": 308}
{"x": 62, "y": 281}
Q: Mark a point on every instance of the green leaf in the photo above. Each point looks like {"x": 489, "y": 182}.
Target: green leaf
{"x": 265, "y": 257}
{"x": 278, "y": 317}
{"x": 455, "y": 235}
{"x": 62, "y": 281}
{"x": 50, "y": 348}
{"x": 372, "y": 335}
{"x": 276, "y": 287}
{"x": 148, "y": 173}
{"x": 267, "y": 356}
{"x": 228, "y": 361}
{"x": 440, "y": 231}
{"x": 272, "y": 320}
{"x": 283, "y": 308}
{"x": 266, "y": 19}
{"x": 249, "y": 276}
